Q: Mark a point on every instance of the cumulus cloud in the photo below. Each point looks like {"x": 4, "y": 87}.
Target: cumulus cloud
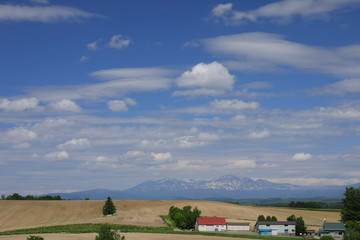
{"x": 57, "y": 155}
{"x": 19, "y": 135}
{"x": 211, "y": 79}
{"x": 19, "y": 104}
{"x": 282, "y": 11}
{"x": 76, "y": 143}
{"x": 84, "y": 58}
{"x": 161, "y": 157}
{"x": 301, "y": 156}
{"x": 259, "y": 135}
{"x": 120, "y": 105}
{"x": 257, "y": 49}
{"x": 45, "y": 14}
{"x": 243, "y": 164}
{"x": 65, "y": 105}
{"x": 119, "y": 42}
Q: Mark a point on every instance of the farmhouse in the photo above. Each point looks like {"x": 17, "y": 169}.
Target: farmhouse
{"x": 275, "y": 227}
{"x": 238, "y": 226}
{"x": 210, "y": 224}
{"x": 336, "y": 230}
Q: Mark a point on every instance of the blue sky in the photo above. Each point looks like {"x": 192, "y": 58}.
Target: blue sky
{"x": 107, "y": 94}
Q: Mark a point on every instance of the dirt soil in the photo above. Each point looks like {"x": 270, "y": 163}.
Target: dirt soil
{"x": 28, "y": 214}
{"x": 128, "y": 236}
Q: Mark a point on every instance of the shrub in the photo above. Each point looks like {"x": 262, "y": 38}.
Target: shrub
{"x": 327, "y": 237}
{"x": 35, "y": 238}
{"x": 107, "y": 234}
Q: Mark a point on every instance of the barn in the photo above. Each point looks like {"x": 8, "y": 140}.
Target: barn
{"x": 210, "y": 224}
{"x": 238, "y": 226}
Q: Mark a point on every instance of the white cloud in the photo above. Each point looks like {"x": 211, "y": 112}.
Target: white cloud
{"x": 340, "y": 88}
{"x": 92, "y": 45}
{"x": 213, "y": 77}
{"x": 117, "y": 106}
{"x": 115, "y": 87}
{"x": 257, "y": 49}
{"x": 119, "y": 42}
{"x": 283, "y": 10}
{"x": 233, "y": 105}
{"x": 243, "y": 164}
{"x": 19, "y": 135}
{"x": 57, "y": 155}
{"x": 79, "y": 143}
{"x": 66, "y": 105}
{"x": 222, "y": 9}
{"x": 162, "y": 157}
{"x": 84, "y": 58}
{"x": 259, "y": 135}
{"x": 19, "y": 104}
{"x": 22, "y": 145}
{"x": 301, "y": 156}
{"x": 116, "y": 73}
{"x": 121, "y": 105}
{"x": 45, "y": 14}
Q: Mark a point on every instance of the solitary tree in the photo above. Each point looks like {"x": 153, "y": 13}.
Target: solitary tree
{"x": 109, "y": 207}
{"x": 261, "y": 218}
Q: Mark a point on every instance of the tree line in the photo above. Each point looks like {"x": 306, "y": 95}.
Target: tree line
{"x": 17, "y": 196}
{"x": 299, "y": 204}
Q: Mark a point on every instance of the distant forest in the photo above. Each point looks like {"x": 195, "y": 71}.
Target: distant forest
{"x": 17, "y": 196}
{"x": 315, "y": 203}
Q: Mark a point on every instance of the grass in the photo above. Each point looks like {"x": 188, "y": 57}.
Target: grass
{"x": 94, "y": 228}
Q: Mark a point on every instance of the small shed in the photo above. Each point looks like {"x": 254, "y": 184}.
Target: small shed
{"x": 238, "y": 226}
{"x": 210, "y": 224}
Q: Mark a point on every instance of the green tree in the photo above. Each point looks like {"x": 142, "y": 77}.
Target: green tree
{"x": 109, "y": 207}
{"x": 184, "y": 218}
{"x": 34, "y": 238}
{"x": 261, "y": 218}
{"x": 291, "y": 218}
{"x": 351, "y": 209}
{"x": 273, "y": 218}
{"x": 299, "y": 224}
{"x": 350, "y": 214}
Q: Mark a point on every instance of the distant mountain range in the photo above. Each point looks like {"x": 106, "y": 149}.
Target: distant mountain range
{"x": 228, "y": 187}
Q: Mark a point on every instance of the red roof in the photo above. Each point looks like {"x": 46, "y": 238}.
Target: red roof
{"x": 211, "y": 221}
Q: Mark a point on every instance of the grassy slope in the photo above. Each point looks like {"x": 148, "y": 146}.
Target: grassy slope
{"x": 30, "y": 214}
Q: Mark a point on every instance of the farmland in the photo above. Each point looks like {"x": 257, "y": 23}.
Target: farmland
{"x": 30, "y": 214}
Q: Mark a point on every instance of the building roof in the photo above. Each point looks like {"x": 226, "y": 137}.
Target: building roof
{"x": 238, "y": 223}
{"x": 211, "y": 221}
{"x": 328, "y": 226}
{"x": 275, "y": 223}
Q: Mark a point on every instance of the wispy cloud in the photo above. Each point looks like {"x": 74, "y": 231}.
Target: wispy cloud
{"x": 45, "y": 14}
{"x": 255, "y": 50}
{"x": 282, "y": 11}
{"x": 118, "y": 42}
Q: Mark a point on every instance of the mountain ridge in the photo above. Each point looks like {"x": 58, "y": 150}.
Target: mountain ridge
{"x": 222, "y": 188}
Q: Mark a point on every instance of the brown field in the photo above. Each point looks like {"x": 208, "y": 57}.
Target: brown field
{"x": 28, "y": 214}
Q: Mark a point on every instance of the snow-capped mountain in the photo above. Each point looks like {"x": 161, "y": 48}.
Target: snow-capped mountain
{"x": 227, "y": 183}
